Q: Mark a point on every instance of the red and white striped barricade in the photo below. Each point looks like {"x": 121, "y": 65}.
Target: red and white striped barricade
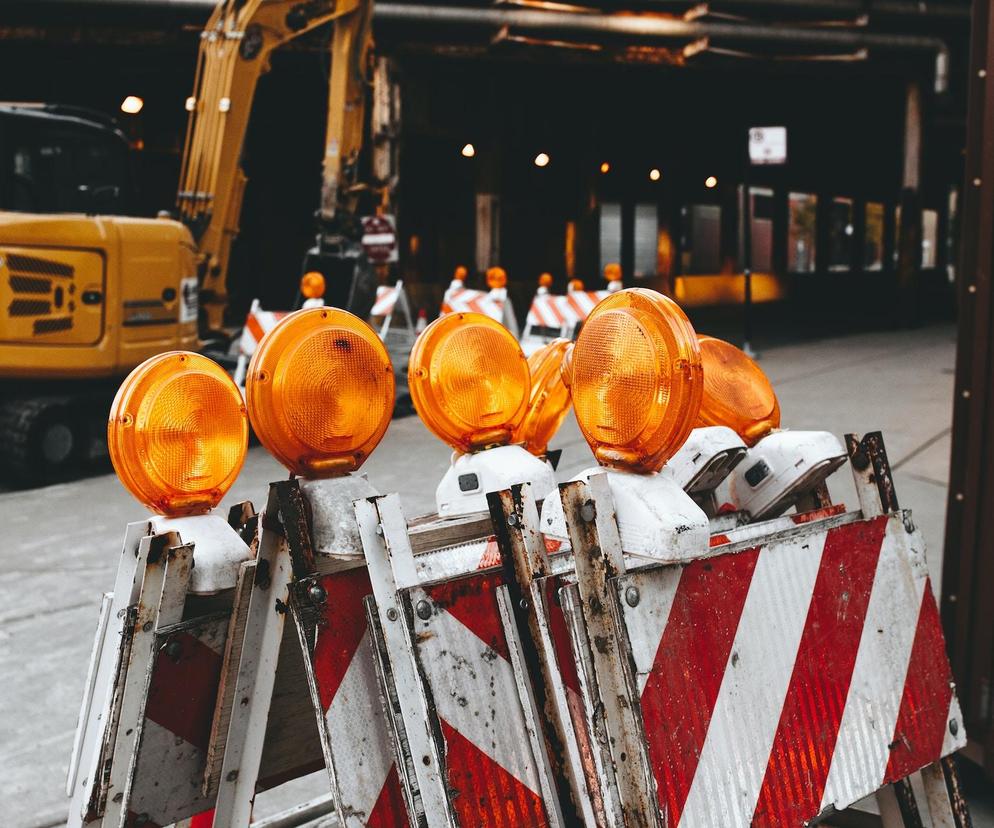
{"x": 797, "y": 667}
{"x": 258, "y": 323}
{"x": 493, "y": 303}
{"x": 471, "y": 730}
{"x": 551, "y": 316}
{"x": 160, "y": 737}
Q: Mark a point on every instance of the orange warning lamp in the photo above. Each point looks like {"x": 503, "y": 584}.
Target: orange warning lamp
{"x": 469, "y": 381}
{"x": 460, "y": 273}
{"x": 636, "y": 380}
{"x": 575, "y": 285}
{"x": 612, "y": 272}
{"x": 566, "y": 366}
{"x": 320, "y": 392}
{"x": 545, "y": 280}
{"x": 548, "y": 401}
{"x": 312, "y": 285}
{"x": 178, "y": 433}
{"x": 737, "y": 393}
{"x": 496, "y": 278}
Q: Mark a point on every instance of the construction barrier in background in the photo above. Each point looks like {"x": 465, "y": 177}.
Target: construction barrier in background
{"x": 392, "y": 319}
{"x": 493, "y": 303}
{"x": 551, "y": 316}
{"x": 258, "y": 323}
{"x": 796, "y": 665}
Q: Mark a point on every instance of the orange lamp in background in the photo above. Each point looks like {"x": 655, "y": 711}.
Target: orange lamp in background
{"x": 549, "y": 399}
{"x": 737, "y": 393}
{"x": 496, "y": 278}
{"x": 320, "y": 392}
{"x": 636, "y": 380}
{"x": 177, "y": 433}
{"x": 460, "y": 274}
{"x": 469, "y": 381}
{"x": 575, "y": 285}
{"x": 312, "y": 285}
{"x": 545, "y": 280}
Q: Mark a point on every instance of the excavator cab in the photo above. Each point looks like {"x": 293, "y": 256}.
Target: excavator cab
{"x": 57, "y": 159}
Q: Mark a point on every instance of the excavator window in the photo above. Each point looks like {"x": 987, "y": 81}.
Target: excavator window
{"x": 51, "y": 164}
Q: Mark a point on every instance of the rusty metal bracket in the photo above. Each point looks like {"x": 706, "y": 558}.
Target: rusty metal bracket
{"x": 525, "y": 563}
{"x": 295, "y": 519}
{"x": 596, "y": 544}
{"x": 871, "y": 474}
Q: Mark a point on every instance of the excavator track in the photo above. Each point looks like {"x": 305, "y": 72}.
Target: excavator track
{"x": 50, "y": 438}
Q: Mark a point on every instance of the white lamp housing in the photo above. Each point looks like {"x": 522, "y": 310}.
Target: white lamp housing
{"x": 656, "y": 518}
{"x": 464, "y": 487}
{"x": 218, "y": 550}
{"x": 782, "y": 468}
{"x": 705, "y": 460}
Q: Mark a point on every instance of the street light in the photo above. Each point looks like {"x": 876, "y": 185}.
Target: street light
{"x": 655, "y": 174}
{"x": 132, "y": 105}
{"x": 468, "y": 151}
{"x": 542, "y": 159}
{"x": 605, "y": 167}
{"x": 710, "y": 182}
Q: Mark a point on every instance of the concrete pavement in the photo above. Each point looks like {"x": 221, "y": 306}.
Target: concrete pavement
{"x": 62, "y": 541}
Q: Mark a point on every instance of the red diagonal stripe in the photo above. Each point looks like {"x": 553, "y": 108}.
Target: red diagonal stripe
{"x": 252, "y": 323}
{"x": 816, "y": 696}
{"x": 536, "y": 315}
{"x": 473, "y": 602}
{"x": 928, "y": 691}
{"x": 560, "y": 635}
{"x": 389, "y": 810}
{"x": 340, "y": 629}
{"x": 183, "y": 690}
{"x": 483, "y": 794}
{"x": 680, "y": 695}
{"x": 581, "y": 311}
{"x": 553, "y": 306}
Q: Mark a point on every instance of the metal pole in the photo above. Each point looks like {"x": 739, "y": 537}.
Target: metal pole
{"x": 747, "y": 255}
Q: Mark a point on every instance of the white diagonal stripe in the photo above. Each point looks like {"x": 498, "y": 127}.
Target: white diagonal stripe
{"x": 359, "y": 739}
{"x": 475, "y": 693}
{"x": 656, "y": 594}
{"x": 862, "y": 748}
{"x": 747, "y": 712}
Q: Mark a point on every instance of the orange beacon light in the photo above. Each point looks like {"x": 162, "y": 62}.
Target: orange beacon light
{"x": 737, "y": 393}
{"x": 636, "y": 382}
{"x": 469, "y": 383}
{"x": 548, "y": 400}
{"x": 177, "y": 433}
{"x": 320, "y": 392}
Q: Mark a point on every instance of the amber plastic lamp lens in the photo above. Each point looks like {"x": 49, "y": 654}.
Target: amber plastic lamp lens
{"x": 576, "y": 284}
{"x": 737, "y": 393}
{"x": 469, "y": 381}
{"x": 548, "y": 401}
{"x": 612, "y": 272}
{"x": 312, "y": 285}
{"x": 178, "y": 433}
{"x": 545, "y": 280}
{"x": 320, "y": 392}
{"x": 636, "y": 380}
{"x": 496, "y": 278}
{"x": 460, "y": 273}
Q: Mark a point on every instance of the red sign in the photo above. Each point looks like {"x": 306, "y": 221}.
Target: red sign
{"x": 379, "y": 239}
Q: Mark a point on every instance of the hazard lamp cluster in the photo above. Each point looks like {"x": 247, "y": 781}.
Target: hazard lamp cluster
{"x": 178, "y": 433}
{"x": 469, "y": 381}
{"x": 320, "y": 392}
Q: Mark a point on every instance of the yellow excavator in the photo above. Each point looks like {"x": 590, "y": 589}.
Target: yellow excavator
{"x": 88, "y": 292}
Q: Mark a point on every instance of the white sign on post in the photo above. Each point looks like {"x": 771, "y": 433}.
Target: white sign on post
{"x": 768, "y": 145}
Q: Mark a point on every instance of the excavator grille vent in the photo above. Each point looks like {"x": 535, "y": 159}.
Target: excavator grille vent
{"x": 30, "y": 284}
{"x": 43, "y": 267}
